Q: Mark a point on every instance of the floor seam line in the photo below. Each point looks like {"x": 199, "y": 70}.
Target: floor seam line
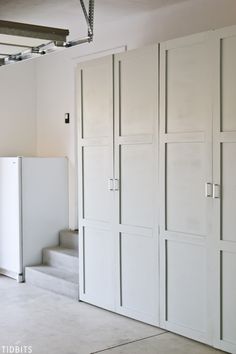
{"x": 133, "y": 341}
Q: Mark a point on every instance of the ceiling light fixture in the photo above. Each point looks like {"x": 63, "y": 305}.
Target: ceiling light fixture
{"x": 22, "y": 41}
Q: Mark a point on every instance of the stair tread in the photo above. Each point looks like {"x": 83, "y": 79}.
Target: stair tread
{"x": 65, "y": 251}
{"x": 68, "y": 276}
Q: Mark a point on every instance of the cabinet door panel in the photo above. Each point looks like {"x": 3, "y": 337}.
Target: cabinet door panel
{"x": 185, "y": 205}
{"x": 228, "y": 271}
{"x": 96, "y": 100}
{"x": 186, "y": 95}
{"x": 224, "y": 172}
{"x": 136, "y": 194}
{"x": 228, "y": 84}
{"x": 98, "y": 263}
{"x": 136, "y": 169}
{"x": 137, "y": 92}
{"x": 228, "y": 173}
{"x": 136, "y": 287}
{"x": 186, "y": 291}
{"x": 186, "y": 165}
{"x": 96, "y": 170}
{"x": 96, "y": 206}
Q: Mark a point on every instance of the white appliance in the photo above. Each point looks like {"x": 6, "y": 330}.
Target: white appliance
{"x": 33, "y": 209}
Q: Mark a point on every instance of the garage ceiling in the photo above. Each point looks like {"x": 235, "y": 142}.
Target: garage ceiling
{"x": 67, "y": 13}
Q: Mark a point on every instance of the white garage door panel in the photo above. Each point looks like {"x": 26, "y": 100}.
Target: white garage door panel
{"x": 186, "y": 285}
{"x": 138, "y": 276}
{"x": 136, "y": 192}
{"x": 98, "y": 267}
{"x": 228, "y": 191}
{"x": 96, "y": 99}
{"x": 186, "y": 92}
{"x": 228, "y": 297}
{"x": 96, "y": 169}
{"x": 228, "y": 84}
{"x": 185, "y": 205}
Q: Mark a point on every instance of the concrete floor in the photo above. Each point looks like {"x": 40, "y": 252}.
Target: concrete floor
{"x": 54, "y": 324}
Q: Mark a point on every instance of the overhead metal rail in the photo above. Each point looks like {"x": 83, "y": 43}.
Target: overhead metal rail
{"x": 39, "y": 40}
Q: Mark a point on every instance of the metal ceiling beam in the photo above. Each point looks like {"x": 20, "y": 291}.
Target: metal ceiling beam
{"x": 57, "y": 37}
{"x": 15, "y": 45}
{"x": 33, "y": 31}
{"x": 89, "y": 18}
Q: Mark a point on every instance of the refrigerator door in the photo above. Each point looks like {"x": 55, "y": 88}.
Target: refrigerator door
{"x": 10, "y": 240}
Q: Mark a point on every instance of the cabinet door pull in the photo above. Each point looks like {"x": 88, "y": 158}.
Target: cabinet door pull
{"x": 208, "y": 190}
{"x": 110, "y": 184}
{"x": 117, "y": 184}
{"x": 216, "y": 191}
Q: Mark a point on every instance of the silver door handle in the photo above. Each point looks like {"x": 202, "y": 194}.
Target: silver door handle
{"x": 110, "y": 184}
{"x": 216, "y": 191}
{"x": 117, "y": 184}
{"x": 208, "y": 190}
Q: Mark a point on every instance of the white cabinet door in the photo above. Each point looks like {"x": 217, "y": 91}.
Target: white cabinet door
{"x": 95, "y": 141}
{"x": 119, "y": 228}
{"x": 10, "y": 225}
{"x": 186, "y": 165}
{"x": 136, "y": 121}
{"x": 224, "y": 135}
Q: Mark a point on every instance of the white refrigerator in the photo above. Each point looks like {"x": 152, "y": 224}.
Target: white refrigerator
{"x": 33, "y": 209}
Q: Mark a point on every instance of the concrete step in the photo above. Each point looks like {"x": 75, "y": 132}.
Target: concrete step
{"x": 62, "y": 258}
{"x": 53, "y": 279}
{"x": 69, "y": 239}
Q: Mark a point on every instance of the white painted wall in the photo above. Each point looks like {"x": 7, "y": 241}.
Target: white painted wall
{"x": 55, "y": 90}
{"x": 18, "y": 110}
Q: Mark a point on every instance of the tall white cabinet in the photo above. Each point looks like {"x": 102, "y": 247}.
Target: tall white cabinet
{"x": 117, "y": 107}
{"x": 157, "y": 177}
{"x": 198, "y": 170}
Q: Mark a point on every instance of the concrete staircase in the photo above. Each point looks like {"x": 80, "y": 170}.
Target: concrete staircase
{"x": 60, "y": 269}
